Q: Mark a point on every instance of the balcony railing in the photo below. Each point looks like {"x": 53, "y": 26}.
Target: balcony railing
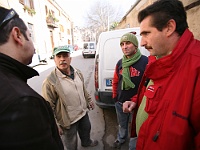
{"x": 51, "y": 21}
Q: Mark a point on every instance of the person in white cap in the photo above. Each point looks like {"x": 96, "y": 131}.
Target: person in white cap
{"x": 65, "y": 90}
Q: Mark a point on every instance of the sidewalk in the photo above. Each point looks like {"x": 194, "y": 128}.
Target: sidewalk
{"x": 44, "y": 66}
{"x": 50, "y": 63}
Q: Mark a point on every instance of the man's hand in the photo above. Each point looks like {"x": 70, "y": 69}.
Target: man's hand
{"x": 128, "y": 106}
{"x": 91, "y": 105}
{"x": 60, "y": 130}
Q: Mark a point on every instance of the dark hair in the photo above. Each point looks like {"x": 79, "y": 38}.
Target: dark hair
{"x": 5, "y": 31}
{"x": 162, "y": 11}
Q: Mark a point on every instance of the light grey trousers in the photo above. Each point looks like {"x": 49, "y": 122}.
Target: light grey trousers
{"x": 70, "y": 137}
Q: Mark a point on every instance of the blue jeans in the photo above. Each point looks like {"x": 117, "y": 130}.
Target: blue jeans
{"x": 123, "y": 121}
{"x": 132, "y": 143}
{"x": 83, "y": 128}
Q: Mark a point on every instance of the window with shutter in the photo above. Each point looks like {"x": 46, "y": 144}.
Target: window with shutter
{"x": 31, "y": 4}
{"x": 46, "y": 10}
{"x": 28, "y": 3}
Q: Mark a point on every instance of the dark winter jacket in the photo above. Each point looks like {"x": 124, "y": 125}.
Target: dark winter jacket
{"x": 26, "y": 119}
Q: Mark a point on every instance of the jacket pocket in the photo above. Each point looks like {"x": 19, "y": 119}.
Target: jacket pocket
{"x": 75, "y": 112}
{"x": 152, "y": 98}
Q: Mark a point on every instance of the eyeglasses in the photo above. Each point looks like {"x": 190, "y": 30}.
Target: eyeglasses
{"x": 12, "y": 13}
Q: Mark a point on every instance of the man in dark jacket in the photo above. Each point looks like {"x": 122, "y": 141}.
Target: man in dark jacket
{"x": 127, "y": 76}
{"x": 26, "y": 119}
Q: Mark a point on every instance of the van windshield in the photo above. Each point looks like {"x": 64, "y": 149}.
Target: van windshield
{"x": 85, "y": 46}
{"x": 91, "y": 45}
{"x": 88, "y": 45}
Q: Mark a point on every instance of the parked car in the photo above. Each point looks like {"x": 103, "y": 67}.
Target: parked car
{"x": 107, "y": 54}
{"x": 76, "y": 47}
{"x": 89, "y": 49}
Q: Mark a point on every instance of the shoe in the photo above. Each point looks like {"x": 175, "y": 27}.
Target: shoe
{"x": 117, "y": 144}
{"x": 92, "y": 144}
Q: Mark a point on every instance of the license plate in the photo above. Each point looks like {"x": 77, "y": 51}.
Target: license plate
{"x": 108, "y": 82}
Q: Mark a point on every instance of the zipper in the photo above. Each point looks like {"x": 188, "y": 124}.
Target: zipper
{"x": 155, "y": 137}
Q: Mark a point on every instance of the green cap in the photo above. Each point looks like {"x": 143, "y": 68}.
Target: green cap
{"x": 60, "y": 49}
{"x": 129, "y": 37}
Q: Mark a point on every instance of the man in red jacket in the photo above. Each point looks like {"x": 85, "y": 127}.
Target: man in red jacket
{"x": 168, "y": 98}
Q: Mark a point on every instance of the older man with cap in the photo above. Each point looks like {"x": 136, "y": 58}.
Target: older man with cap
{"x": 65, "y": 90}
{"x": 127, "y": 76}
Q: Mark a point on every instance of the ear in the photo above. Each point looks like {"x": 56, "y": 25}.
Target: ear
{"x": 171, "y": 27}
{"x": 17, "y": 35}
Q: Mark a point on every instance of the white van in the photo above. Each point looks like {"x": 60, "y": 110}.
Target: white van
{"x": 89, "y": 49}
{"x": 108, "y": 53}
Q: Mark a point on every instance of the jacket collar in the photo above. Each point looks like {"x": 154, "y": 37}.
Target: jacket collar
{"x": 15, "y": 67}
{"x": 161, "y": 68}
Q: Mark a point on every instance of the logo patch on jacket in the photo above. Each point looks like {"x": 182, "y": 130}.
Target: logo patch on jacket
{"x": 151, "y": 88}
{"x": 133, "y": 72}
{"x": 151, "y": 91}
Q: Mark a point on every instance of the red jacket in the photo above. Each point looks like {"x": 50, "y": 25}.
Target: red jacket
{"x": 173, "y": 103}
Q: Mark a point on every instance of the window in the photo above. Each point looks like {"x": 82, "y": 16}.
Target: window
{"x": 28, "y": 3}
{"x": 31, "y": 30}
{"x": 68, "y": 31}
{"x": 61, "y": 28}
{"x": 85, "y": 45}
{"x": 91, "y": 46}
{"x": 52, "y": 12}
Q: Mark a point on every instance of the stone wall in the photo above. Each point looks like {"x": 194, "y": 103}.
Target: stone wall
{"x": 193, "y": 18}
{"x": 192, "y": 9}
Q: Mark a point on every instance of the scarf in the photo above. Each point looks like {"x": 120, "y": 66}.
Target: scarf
{"x": 126, "y": 63}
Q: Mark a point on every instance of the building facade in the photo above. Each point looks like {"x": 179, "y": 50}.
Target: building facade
{"x": 192, "y": 8}
{"x": 48, "y": 23}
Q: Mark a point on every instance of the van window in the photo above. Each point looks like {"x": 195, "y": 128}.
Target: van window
{"x": 112, "y": 51}
{"x": 85, "y": 45}
{"x": 91, "y": 46}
